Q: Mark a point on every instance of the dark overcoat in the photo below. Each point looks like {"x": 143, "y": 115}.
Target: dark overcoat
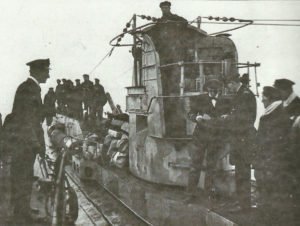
{"x": 272, "y": 140}
{"x": 293, "y": 109}
{"x": 24, "y": 138}
{"x": 99, "y": 95}
{"x": 241, "y": 122}
{"x": 272, "y": 163}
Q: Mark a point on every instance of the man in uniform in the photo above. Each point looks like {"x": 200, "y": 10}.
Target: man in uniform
{"x": 241, "y": 121}
{"x": 78, "y": 99}
{"x": 206, "y": 110}
{"x": 99, "y": 99}
{"x": 59, "y": 95}
{"x": 87, "y": 91}
{"x": 25, "y": 137}
{"x": 167, "y": 15}
{"x": 49, "y": 105}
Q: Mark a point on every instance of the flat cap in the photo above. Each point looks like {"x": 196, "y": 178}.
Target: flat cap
{"x": 271, "y": 92}
{"x": 283, "y": 84}
{"x": 40, "y": 63}
{"x": 165, "y": 3}
{"x": 77, "y": 80}
{"x": 213, "y": 84}
{"x": 97, "y": 79}
{"x": 86, "y": 76}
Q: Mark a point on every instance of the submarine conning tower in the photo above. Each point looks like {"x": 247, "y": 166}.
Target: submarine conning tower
{"x": 172, "y": 62}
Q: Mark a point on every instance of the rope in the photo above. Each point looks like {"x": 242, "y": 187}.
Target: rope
{"x": 100, "y": 62}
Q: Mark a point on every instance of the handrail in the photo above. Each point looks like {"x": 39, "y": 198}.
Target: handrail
{"x": 180, "y": 63}
{"x": 155, "y": 97}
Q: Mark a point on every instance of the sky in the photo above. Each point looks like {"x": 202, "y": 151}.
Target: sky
{"x": 75, "y": 36}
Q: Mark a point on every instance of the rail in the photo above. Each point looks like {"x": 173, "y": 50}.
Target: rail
{"x": 111, "y": 194}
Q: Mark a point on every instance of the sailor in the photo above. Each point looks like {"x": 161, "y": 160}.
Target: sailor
{"x": 63, "y": 95}
{"x": 78, "y": 99}
{"x": 272, "y": 161}
{"x": 167, "y": 15}
{"x": 59, "y": 95}
{"x": 99, "y": 99}
{"x": 87, "y": 92}
{"x": 208, "y": 135}
{"x": 241, "y": 122}
{"x": 70, "y": 100}
{"x": 49, "y": 105}
{"x": 25, "y": 137}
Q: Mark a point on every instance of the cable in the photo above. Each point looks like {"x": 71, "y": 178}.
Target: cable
{"x": 220, "y": 18}
{"x": 100, "y": 62}
{"x": 263, "y": 24}
{"x": 232, "y": 29}
{"x": 291, "y": 20}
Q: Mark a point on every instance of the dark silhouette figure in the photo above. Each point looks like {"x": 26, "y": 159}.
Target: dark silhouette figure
{"x": 59, "y": 95}
{"x": 99, "y": 100}
{"x": 24, "y": 137}
{"x": 87, "y": 93}
{"x": 49, "y": 105}
{"x": 241, "y": 122}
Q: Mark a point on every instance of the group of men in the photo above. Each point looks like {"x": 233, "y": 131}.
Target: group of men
{"x": 74, "y": 100}
{"x": 272, "y": 150}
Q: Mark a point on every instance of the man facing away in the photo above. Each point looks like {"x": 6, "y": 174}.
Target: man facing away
{"x": 241, "y": 122}
{"x": 25, "y": 137}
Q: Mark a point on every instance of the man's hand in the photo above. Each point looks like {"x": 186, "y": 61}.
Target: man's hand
{"x": 204, "y": 117}
{"x": 224, "y": 116}
{"x": 40, "y": 157}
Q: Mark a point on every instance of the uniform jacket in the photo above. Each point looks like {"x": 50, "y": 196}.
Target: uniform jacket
{"x": 87, "y": 90}
{"x": 209, "y": 130}
{"x": 49, "y": 104}
{"x": 99, "y": 95}
{"x": 59, "y": 92}
{"x": 23, "y": 129}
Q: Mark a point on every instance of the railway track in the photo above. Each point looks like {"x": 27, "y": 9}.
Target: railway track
{"x": 114, "y": 210}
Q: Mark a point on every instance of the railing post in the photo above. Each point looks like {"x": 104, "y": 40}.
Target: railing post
{"x": 181, "y": 77}
{"x": 201, "y": 75}
{"x": 199, "y": 22}
{"x": 135, "y": 74}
